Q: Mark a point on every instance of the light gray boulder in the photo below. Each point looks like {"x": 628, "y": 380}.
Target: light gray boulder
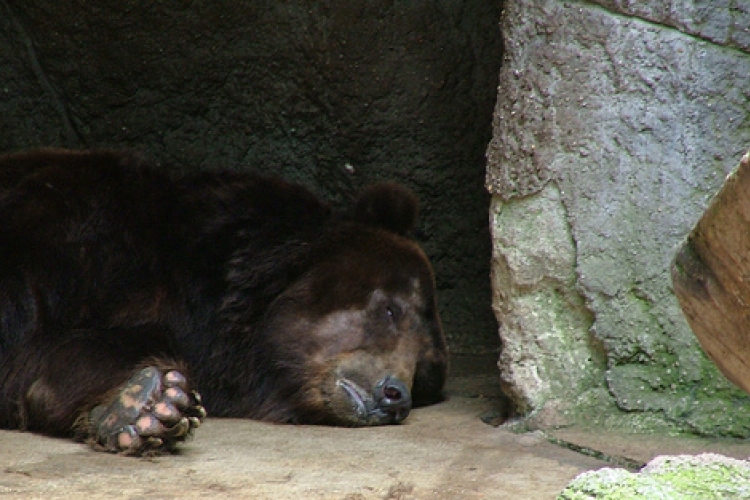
{"x": 614, "y": 126}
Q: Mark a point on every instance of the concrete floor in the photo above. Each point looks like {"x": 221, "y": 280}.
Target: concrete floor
{"x": 441, "y": 452}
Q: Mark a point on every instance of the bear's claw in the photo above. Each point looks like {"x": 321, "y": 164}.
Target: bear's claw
{"x": 151, "y": 413}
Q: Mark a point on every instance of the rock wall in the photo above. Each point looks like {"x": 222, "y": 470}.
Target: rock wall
{"x": 334, "y": 95}
{"x": 615, "y": 123}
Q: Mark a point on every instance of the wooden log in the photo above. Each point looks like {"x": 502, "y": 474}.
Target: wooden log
{"x": 711, "y": 277}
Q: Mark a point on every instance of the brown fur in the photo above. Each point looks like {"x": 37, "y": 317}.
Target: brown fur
{"x": 262, "y": 292}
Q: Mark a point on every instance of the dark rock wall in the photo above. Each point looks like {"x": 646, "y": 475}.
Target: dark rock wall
{"x": 332, "y": 94}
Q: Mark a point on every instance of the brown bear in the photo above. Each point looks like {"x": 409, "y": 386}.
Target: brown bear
{"x": 124, "y": 293}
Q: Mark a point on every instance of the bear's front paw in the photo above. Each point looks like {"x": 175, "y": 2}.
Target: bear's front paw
{"x": 150, "y": 414}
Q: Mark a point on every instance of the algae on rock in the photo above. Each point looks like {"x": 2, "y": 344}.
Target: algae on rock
{"x": 683, "y": 477}
{"x": 632, "y": 125}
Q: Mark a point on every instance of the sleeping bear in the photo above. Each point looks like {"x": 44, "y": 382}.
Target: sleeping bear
{"x": 133, "y": 303}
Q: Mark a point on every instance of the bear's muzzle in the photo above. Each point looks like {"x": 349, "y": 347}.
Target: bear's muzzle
{"x": 388, "y": 403}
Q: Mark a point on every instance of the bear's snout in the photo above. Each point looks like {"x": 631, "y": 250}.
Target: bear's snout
{"x": 393, "y": 399}
{"x": 389, "y": 402}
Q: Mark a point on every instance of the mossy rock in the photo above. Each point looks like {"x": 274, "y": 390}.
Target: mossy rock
{"x": 682, "y": 477}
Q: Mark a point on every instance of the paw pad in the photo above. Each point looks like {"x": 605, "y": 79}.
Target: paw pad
{"x": 152, "y": 412}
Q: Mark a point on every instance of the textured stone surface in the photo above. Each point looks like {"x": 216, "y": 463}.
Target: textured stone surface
{"x": 546, "y": 350}
{"x": 634, "y": 120}
{"x": 704, "y": 476}
{"x": 725, "y": 22}
{"x": 332, "y": 95}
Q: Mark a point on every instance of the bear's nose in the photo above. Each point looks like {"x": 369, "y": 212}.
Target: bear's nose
{"x": 393, "y": 398}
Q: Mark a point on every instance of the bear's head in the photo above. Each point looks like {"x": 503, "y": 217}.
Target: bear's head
{"x": 356, "y": 339}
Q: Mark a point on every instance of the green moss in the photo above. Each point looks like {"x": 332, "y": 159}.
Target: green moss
{"x": 703, "y": 477}
{"x": 597, "y": 408}
{"x": 708, "y": 405}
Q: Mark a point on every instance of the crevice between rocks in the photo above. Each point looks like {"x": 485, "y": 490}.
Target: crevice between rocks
{"x": 625, "y": 462}
{"x": 663, "y": 25}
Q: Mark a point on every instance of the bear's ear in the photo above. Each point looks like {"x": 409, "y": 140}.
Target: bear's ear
{"x": 389, "y": 206}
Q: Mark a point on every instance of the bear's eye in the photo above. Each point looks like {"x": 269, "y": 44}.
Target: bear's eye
{"x": 393, "y": 311}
